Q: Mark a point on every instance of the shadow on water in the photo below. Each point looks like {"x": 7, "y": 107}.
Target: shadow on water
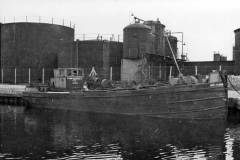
{"x": 55, "y": 134}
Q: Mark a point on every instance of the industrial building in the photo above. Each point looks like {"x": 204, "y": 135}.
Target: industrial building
{"x": 236, "y": 51}
{"x": 219, "y": 62}
{"x": 101, "y": 55}
{"x": 219, "y": 57}
{"x": 33, "y": 48}
{"x": 30, "y": 51}
{"x": 146, "y": 52}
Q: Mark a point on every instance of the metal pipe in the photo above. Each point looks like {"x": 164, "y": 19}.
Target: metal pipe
{"x": 77, "y": 53}
{"x": 2, "y": 74}
{"x": 149, "y": 71}
{"x": 182, "y": 44}
{"x": 29, "y": 75}
{"x": 15, "y": 75}
{"x": 170, "y": 72}
{"x": 43, "y": 74}
{"x": 196, "y": 70}
{"x": 111, "y": 73}
{"x": 160, "y": 72}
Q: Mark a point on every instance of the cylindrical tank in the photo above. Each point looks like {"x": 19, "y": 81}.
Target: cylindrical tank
{"x": 173, "y": 42}
{"x": 236, "y": 51}
{"x": 157, "y": 30}
{"x": 34, "y": 45}
{"x": 237, "y": 38}
{"x": 0, "y": 42}
{"x": 137, "y": 41}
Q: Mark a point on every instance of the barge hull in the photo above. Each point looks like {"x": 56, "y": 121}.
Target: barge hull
{"x": 194, "y": 103}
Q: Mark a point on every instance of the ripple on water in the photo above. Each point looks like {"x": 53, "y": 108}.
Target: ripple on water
{"x": 69, "y": 135}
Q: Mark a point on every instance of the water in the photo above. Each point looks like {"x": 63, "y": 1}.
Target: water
{"x": 55, "y": 134}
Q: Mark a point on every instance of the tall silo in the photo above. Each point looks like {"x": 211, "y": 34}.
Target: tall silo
{"x": 137, "y": 41}
{"x": 27, "y": 45}
{"x": 0, "y": 41}
{"x": 138, "y": 44}
{"x": 173, "y": 43}
{"x": 236, "y": 51}
{"x": 158, "y": 30}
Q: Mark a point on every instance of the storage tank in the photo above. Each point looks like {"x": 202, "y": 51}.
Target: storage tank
{"x": 27, "y": 45}
{"x": 137, "y": 41}
{"x": 173, "y": 42}
{"x": 157, "y": 30}
{"x": 236, "y": 51}
{"x": 237, "y": 37}
{"x": 0, "y": 41}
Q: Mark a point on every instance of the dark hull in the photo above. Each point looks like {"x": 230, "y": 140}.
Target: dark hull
{"x": 197, "y": 102}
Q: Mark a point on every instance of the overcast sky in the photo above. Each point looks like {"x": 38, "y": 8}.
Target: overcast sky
{"x": 207, "y": 24}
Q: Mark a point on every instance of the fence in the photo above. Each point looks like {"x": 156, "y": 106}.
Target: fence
{"x": 148, "y": 72}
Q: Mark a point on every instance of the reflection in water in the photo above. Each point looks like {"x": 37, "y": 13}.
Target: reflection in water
{"x": 54, "y": 134}
{"x": 229, "y": 145}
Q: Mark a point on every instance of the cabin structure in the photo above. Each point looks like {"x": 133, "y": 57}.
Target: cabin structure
{"x": 67, "y": 78}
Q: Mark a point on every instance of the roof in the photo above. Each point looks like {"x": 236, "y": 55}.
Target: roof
{"x": 137, "y": 25}
{"x": 237, "y": 30}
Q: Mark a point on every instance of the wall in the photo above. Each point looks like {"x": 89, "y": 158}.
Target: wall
{"x": 116, "y": 54}
{"x": 36, "y": 46}
{"x": 90, "y": 54}
{"x": 131, "y": 70}
{"x": 153, "y": 68}
{"x": 100, "y": 54}
{"x": 205, "y": 67}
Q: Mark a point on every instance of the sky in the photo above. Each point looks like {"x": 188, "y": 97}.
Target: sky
{"x": 207, "y": 25}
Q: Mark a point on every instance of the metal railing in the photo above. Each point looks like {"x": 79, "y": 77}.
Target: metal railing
{"x": 38, "y": 19}
{"x": 148, "y": 72}
{"x": 98, "y": 36}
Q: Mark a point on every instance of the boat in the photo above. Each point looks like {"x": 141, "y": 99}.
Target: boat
{"x": 191, "y": 101}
